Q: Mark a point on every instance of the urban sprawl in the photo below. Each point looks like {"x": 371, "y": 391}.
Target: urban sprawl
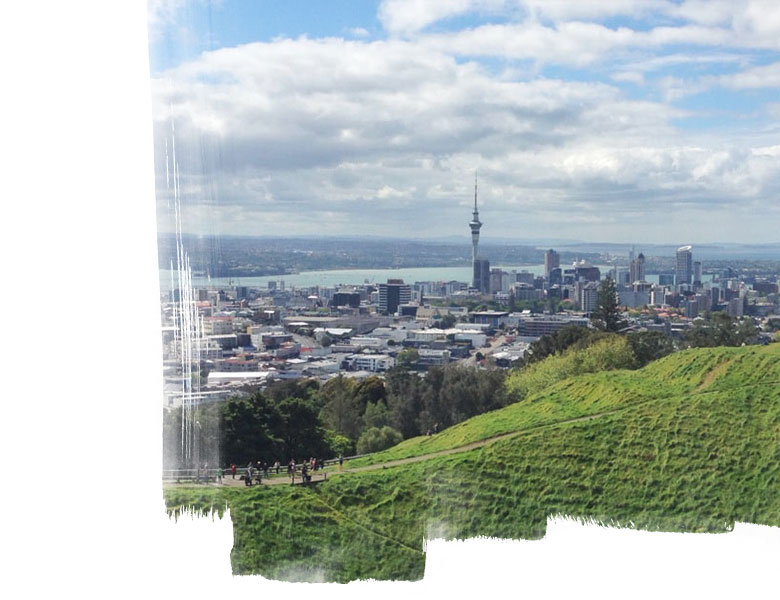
{"x": 229, "y": 341}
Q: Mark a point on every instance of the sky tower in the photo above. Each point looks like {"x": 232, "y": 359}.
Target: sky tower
{"x": 475, "y": 225}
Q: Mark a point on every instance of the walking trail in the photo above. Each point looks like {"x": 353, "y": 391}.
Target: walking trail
{"x": 322, "y": 475}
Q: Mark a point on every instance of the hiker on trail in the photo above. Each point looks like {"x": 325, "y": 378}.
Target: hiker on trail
{"x": 233, "y": 470}
{"x": 276, "y": 466}
{"x": 197, "y": 475}
{"x": 265, "y": 468}
{"x": 248, "y": 478}
{"x": 305, "y": 473}
{"x": 205, "y": 472}
{"x": 220, "y": 472}
{"x": 341, "y": 462}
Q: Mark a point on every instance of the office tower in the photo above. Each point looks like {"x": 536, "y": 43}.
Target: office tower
{"x": 475, "y": 226}
{"x": 552, "y": 260}
{"x": 684, "y": 270}
{"x": 697, "y": 273}
{"x": 392, "y": 294}
{"x": 482, "y": 275}
{"x": 589, "y": 297}
{"x": 637, "y": 269}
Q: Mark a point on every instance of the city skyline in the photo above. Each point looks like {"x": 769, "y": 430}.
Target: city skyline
{"x": 647, "y": 121}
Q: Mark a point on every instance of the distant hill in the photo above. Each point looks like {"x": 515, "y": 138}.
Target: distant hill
{"x": 689, "y": 443}
{"x": 233, "y": 256}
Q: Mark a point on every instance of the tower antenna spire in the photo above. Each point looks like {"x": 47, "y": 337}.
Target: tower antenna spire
{"x": 475, "y": 190}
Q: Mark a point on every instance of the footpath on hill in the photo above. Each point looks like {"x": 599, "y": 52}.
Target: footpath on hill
{"x": 322, "y": 475}
{"x": 317, "y": 476}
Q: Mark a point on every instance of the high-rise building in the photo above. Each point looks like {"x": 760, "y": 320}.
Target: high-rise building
{"x": 392, "y": 294}
{"x": 736, "y": 307}
{"x": 684, "y": 270}
{"x": 584, "y": 271}
{"x": 552, "y": 260}
{"x": 475, "y": 224}
{"x": 697, "y": 273}
{"x": 637, "y": 269}
{"x": 691, "y": 307}
{"x": 482, "y": 275}
{"x": 589, "y": 297}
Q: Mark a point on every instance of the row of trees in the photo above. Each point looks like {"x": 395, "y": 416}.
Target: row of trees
{"x": 300, "y": 419}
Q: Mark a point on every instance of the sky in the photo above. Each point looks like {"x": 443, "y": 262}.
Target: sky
{"x": 631, "y": 121}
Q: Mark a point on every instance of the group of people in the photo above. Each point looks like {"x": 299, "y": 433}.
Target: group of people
{"x": 307, "y": 467}
{"x": 255, "y": 472}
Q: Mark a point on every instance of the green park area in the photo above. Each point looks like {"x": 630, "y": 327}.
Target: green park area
{"x": 689, "y": 443}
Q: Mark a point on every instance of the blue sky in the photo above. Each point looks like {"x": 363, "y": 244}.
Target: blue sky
{"x": 619, "y": 120}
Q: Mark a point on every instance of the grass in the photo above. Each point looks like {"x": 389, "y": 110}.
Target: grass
{"x": 695, "y": 446}
{"x": 681, "y": 373}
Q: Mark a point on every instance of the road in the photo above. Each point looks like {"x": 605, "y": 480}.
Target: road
{"x": 471, "y": 361}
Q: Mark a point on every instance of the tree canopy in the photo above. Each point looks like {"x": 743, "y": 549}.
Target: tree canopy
{"x": 607, "y": 315}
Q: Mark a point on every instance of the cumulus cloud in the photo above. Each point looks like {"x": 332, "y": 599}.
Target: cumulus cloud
{"x": 332, "y": 135}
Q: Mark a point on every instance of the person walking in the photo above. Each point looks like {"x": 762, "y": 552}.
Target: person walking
{"x": 220, "y": 472}
{"x": 341, "y": 462}
{"x": 233, "y": 470}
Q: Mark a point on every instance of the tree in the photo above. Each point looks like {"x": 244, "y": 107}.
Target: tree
{"x": 339, "y": 444}
{"x": 371, "y": 389}
{"x": 556, "y": 342}
{"x": 607, "y": 315}
{"x": 301, "y": 431}
{"x": 376, "y": 415}
{"x": 375, "y": 439}
{"x": 407, "y": 357}
{"x": 250, "y": 430}
{"x": 721, "y": 330}
{"x": 404, "y": 400}
{"x": 649, "y": 346}
{"x": 340, "y": 408}
{"x": 447, "y": 321}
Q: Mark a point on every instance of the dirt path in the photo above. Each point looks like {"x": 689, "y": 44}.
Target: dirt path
{"x": 716, "y": 371}
{"x": 323, "y": 475}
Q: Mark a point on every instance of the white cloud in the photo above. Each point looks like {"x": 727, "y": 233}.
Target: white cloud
{"x": 309, "y": 134}
{"x": 765, "y": 76}
{"x": 405, "y": 16}
{"x": 360, "y": 32}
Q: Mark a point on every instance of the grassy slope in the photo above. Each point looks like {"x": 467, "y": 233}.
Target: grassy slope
{"x": 697, "y": 458}
{"x": 681, "y": 373}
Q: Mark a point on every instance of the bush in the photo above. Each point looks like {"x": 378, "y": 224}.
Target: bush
{"x": 375, "y": 439}
{"x": 611, "y": 352}
{"x": 339, "y": 444}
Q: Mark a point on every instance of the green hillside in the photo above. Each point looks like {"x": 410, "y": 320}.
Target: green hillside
{"x": 688, "y": 372}
{"x": 689, "y": 443}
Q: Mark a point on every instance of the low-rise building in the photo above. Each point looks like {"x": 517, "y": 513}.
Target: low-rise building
{"x": 370, "y": 362}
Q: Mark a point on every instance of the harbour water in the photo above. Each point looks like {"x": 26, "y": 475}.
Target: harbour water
{"x": 336, "y": 277}
{"x": 344, "y": 277}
